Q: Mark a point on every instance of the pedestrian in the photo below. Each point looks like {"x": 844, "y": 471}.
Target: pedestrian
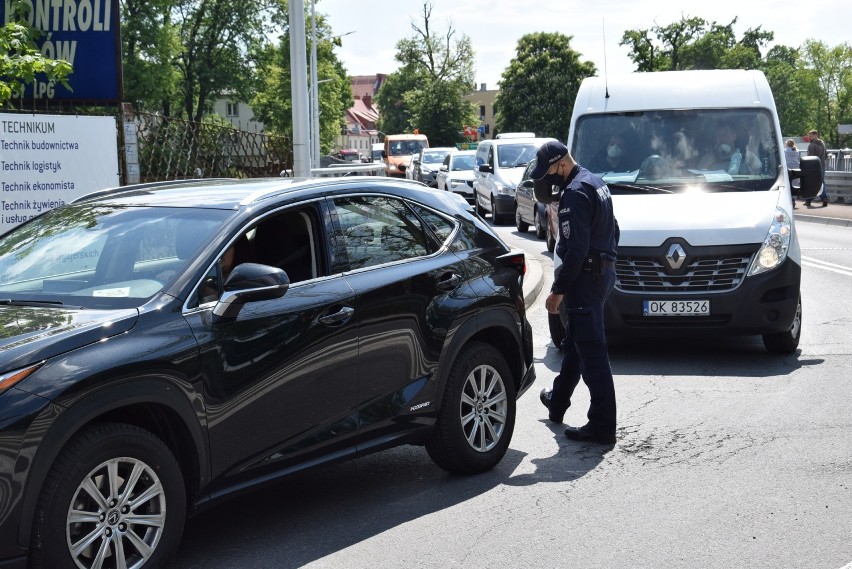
{"x": 791, "y": 156}
{"x": 816, "y": 147}
{"x": 587, "y": 248}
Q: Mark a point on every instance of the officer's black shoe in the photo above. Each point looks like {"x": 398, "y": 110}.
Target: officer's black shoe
{"x": 545, "y": 400}
{"x": 583, "y": 434}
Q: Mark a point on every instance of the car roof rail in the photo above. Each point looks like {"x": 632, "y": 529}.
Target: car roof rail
{"x": 144, "y": 186}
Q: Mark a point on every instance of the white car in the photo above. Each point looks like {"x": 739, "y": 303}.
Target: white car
{"x": 456, "y": 173}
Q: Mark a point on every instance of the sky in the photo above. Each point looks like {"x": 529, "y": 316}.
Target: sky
{"x": 596, "y": 26}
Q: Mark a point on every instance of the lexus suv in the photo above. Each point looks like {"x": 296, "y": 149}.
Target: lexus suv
{"x": 165, "y": 345}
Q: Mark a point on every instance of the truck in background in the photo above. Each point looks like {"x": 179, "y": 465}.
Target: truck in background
{"x": 399, "y": 150}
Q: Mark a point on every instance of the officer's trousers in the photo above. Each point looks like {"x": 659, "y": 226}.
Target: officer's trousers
{"x": 585, "y": 353}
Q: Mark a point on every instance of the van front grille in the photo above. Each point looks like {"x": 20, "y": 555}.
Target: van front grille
{"x": 703, "y": 274}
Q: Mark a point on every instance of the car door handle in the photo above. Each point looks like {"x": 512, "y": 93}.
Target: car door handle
{"x": 337, "y": 318}
{"x": 449, "y": 282}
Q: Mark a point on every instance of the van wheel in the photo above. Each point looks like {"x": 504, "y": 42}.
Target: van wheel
{"x": 480, "y": 211}
{"x": 477, "y": 416}
{"x": 522, "y": 226}
{"x": 786, "y": 342}
{"x": 115, "y": 492}
{"x": 494, "y": 219}
{"x": 540, "y": 228}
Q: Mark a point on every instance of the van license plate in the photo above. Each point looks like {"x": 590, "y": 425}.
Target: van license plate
{"x": 675, "y": 307}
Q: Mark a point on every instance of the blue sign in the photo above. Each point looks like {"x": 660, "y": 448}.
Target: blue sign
{"x": 86, "y": 34}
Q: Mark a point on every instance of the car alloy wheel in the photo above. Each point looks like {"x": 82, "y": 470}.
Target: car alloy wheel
{"x": 114, "y": 498}
{"x": 477, "y": 416}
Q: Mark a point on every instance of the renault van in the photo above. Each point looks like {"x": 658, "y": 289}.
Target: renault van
{"x": 702, "y": 196}
{"x": 500, "y": 164}
{"x": 398, "y": 151}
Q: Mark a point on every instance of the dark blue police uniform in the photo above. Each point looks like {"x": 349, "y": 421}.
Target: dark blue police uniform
{"x": 587, "y": 247}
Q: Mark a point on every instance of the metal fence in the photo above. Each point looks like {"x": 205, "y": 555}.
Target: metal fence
{"x": 169, "y": 148}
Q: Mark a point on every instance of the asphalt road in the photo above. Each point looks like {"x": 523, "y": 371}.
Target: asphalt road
{"x": 727, "y": 457}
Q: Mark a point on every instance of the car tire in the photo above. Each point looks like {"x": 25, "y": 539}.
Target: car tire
{"x": 522, "y": 225}
{"x": 557, "y": 329}
{"x": 786, "y": 342}
{"x": 477, "y": 416}
{"x": 495, "y": 220}
{"x": 551, "y": 240}
{"x": 479, "y": 209}
{"x": 110, "y": 457}
{"x": 540, "y": 229}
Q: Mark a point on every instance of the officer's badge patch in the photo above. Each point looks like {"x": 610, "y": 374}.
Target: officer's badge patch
{"x": 566, "y": 229}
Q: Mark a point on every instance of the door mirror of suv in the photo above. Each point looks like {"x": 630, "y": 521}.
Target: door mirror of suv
{"x": 485, "y": 169}
{"x": 250, "y": 282}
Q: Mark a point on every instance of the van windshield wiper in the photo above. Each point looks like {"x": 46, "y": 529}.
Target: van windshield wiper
{"x": 637, "y": 188}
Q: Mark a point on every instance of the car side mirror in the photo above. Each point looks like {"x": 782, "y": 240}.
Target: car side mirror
{"x": 485, "y": 169}
{"x": 249, "y": 282}
{"x": 809, "y": 173}
{"x": 528, "y": 184}
{"x": 415, "y": 161}
{"x": 444, "y": 168}
{"x": 544, "y": 192}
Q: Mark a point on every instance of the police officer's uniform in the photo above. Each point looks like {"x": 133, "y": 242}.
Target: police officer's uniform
{"x": 587, "y": 247}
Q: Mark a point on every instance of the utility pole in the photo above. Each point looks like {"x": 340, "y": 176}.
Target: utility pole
{"x": 299, "y": 90}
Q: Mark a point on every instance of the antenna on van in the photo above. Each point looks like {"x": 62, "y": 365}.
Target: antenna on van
{"x": 606, "y": 82}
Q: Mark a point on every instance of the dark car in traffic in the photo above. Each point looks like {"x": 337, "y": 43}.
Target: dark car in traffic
{"x": 164, "y": 346}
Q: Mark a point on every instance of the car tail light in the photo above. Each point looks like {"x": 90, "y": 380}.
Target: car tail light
{"x": 515, "y": 259}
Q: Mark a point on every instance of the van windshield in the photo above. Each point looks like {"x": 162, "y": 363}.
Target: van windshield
{"x": 515, "y": 155}
{"x": 406, "y": 147}
{"x": 679, "y": 150}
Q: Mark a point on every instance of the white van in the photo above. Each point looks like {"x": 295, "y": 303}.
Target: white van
{"x": 500, "y": 164}
{"x": 702, "y": 196}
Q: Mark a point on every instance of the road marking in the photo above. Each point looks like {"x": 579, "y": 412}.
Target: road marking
{"x": 816, "y": 263}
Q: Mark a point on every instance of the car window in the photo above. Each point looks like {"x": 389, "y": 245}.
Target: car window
{"x": 99, "y": 256}
{"x": 447, "y": 159}
{"x": 379, "y": 230}
{"x": 463, "y": 163}
{"x": 440, "y": 227}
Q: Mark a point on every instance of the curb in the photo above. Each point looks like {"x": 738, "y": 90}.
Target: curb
{"x": 824, "y": 220}
{"x": 533, "y": 280}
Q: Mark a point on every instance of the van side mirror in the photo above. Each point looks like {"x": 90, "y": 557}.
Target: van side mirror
{"x": 384, "y": 154}
{"x": 485, "y": 169}
{"x": 810, "y": 177}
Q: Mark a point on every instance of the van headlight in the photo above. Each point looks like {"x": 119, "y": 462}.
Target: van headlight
{"x": 773, "y": 252}
{"x": 504, "y": 190}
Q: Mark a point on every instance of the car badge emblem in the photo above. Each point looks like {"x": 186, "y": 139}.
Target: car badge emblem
{"x": 676, "y": 256}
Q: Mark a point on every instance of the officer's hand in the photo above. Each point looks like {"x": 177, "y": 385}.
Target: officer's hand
{"x": 552, "y": 303}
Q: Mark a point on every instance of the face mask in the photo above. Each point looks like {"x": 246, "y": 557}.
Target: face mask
{"x": 554, "y": 179}
{"x": 613, "y": 151}
{"x": 724, "y": 150}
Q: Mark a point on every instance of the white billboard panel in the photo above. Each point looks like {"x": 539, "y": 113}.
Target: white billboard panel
{"x": 49, "y": 160}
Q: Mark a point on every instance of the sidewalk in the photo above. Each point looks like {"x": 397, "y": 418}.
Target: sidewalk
{"x": 833, "y": 214}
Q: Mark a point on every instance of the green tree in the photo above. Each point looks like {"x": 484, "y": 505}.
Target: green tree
{"x": 538, "y": 88}
{"x": 830, "y": 71}
{"x": 191, "y": 52}
{"x": 427, "y": 92}
{"x": 20, "y": 58}
{"x": 792, "y": 88}
{"x": 272, "y": 101}
{"x": 695, "y": 43}
{"x": 150, "y": 46}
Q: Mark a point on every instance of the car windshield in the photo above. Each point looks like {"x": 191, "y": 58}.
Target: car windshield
{"x": 681, "y": 150}
{"x": 463, "y": 162}
{"x": 515, "y": 155}
{"x": 101, "y": 256}
{"x": 434, "y": 157}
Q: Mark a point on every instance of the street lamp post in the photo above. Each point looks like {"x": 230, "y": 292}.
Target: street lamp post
{"x": 298, "y": 90}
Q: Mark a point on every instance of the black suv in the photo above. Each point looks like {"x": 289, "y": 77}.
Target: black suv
{"x": 163, "y": 346}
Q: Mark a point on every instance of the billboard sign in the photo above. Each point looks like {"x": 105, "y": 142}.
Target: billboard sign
{"x": 85, "y": 33}
{"x": 49, "y": 160}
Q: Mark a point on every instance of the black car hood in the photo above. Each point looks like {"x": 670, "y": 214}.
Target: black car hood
{"x": 33, "y": 333}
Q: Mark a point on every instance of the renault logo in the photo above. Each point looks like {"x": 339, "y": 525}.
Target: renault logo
{"x": 676, "y": 256}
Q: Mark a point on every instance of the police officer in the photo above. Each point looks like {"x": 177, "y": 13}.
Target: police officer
{"x": 587, "y": 248}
